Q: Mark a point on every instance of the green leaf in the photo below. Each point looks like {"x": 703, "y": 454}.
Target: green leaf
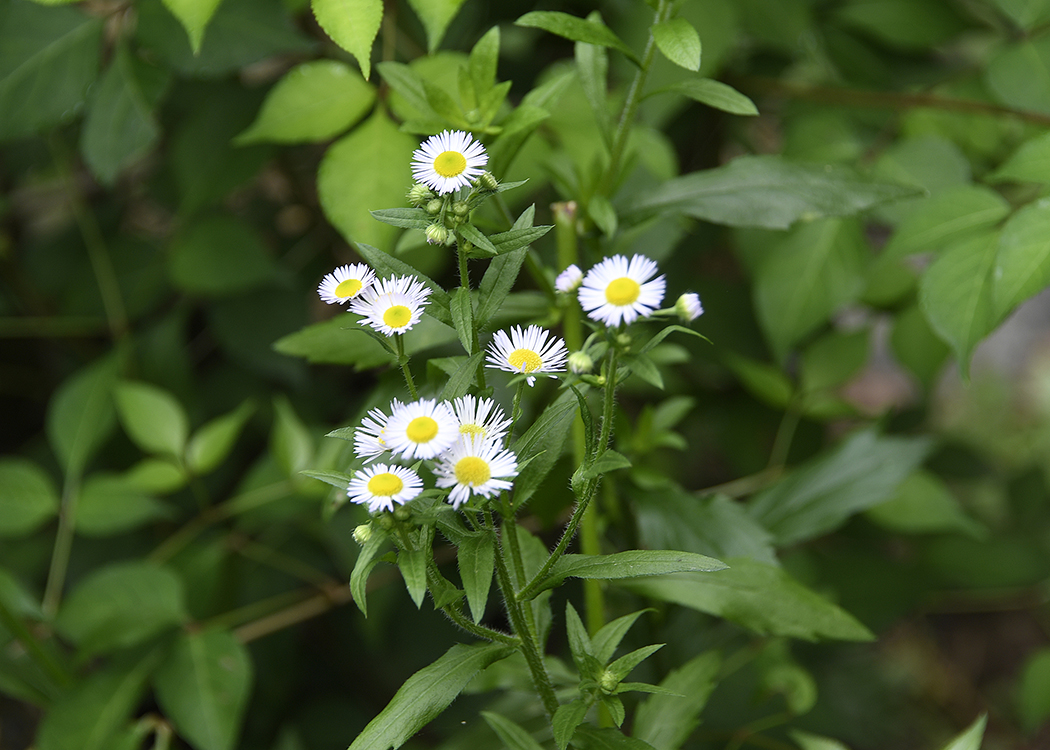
{"x": 342, "y": 341}
{"x": 111, "y": 504}
{"x": 566, "y": 719}
{"x": 155, "y": 475}
{"x": 80, "y": 416}
{"x": 1019, "y": 75}
{"x": 213, "y": 442}
{"x": 413, "y": 566}
{"x": 541, "y": 446}
{"x": 484, "y": 59}
{"x": 606, "y": 640}
{"x": 923, "y": 504}
{"x": 366, "y": 562}
{"x": 592, "y": 67}
{"x": 626, "y": 663}
{"x": 1033, "y": 694}
{"x": 152, "y": 417}
{"x": 426, "y": 694}
{"x": 367, "y": 169}
{"x": 92, "y": 714}
{"x": 435, "y": 15}
{"x": 460, "y": 381}
{"x": 408, "y": 84}
{"x": 48, "y": 59}
{"x": 476, "y": 563}
{"x": 515, "y": 239}
{"x": 833, "y": 359}
{"x": 679, "y": 42}
{"x": 496, "y": 284}
{"x": 917, "y": 347}
{"x": 120, "y": 126}
{"x": 610, "y": 460}
{"x": 1030, "y": 163}
{"x": 603, "y": 214}
{"x": 337, "y": 479}
{"x": 714, "y": 94}
{"x": 666, "y": 721}
{"x": 956, "y": 295}
{"x": 28, "y": 498}
{"x": 764, "y": 381}
{"x": 353, "y": 25}
{"x": 219, "y": 255}
{"x": 405, "y": 218}
{"x": 971, "y": 738}
{"x": 591, "y": 738}
{"x": 386, "y": 264}
{"x": 807, "y": 741}
{"x": 203, "y": 687}
{"x": 908, "y": 24}
{"x": 765, "y": 191}
{"x": 576, "y": 29}
{"x": 194, "y": 16}
{"x": 514, "y": 737}
{"x": 121, "y": 605}
{"x": 1022, "y": 263}
{"x": 944, "y": 218}
{"x": 579, "y": 643}
{"x": 825, "y": 261}
{"x": 630, "y": 564}
{"x": 313, "y": 102}
{"x": 761, "y": 597}
{"x": 863, "y": 471}
{"x": 477, "y": 239}
{"x": 291, "y": 443}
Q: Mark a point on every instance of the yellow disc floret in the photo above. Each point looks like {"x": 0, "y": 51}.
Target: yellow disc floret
{"x": 421, "y": 430}
{"x": 397, "y": 316}
{"x": 450, "y": 163}
{"x": 472, "y": 471}
{"x": 622, "y": 291}
{"x": 385, "y": 484}
{"x": 348, "y": 288}
{"x": 524, "y": 360}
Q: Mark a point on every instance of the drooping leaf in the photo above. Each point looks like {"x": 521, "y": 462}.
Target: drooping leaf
{"x": 366, "y": 561}
{"x": 758, "y": 596}
{"x": 436, "y": 15}
{"x": 678, "y": 41}
{"x": 576, "y": 29}
{"x": 861, "y": 472}
{"x": 426, "y": 694}
{"x": 353, "y": 25}
{"x": 203, "y": 687}
{"x": 28, "y": 498}
{"x": 313, "y": 102}
{"x": 194, "y": 16}
{"x": 152, "y": 417}
{"x": 765, "y": 191}
{"x": 666, "y": 721}
{"x": 714, "y": 94}
{"x": 80, "y": 416}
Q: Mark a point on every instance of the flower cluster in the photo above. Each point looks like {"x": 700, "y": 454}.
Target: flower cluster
{"x": 390, "y": 306}
{"x": 463, "y": 440}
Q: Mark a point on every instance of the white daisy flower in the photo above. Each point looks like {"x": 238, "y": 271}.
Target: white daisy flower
{"x": 421, "y": 429}
{"x": 617, "y": 290}
{"x": 345, "y": 283}
{"x": 480, "y": 416}
{"x": 381, "y": 486}
{"x": 448, "y": 161}
{"x": 368, "y": 438}
{"x": 392, "y": 305}
{"x": 568, "y": 279}
{"x": 475, "y": 466}
{"x": 688, "y": 307}
{"x": 527, "y": 351}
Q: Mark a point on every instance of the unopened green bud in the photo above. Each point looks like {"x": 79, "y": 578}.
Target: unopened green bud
{"x": 419, "y": 195}
{"x": 434, "y": 206}
{"x": 580, "y": 363}
{"x": 363, "y": 533}
{"x": 623, "y": 340}
{"x": 437, "y": 234}
{"x": 460, "y": 208}
{"x": 402, "y": 513}
{"x": 488, "y": 181}
{"x": 608, "y": 681}
{"x": 385, "y": 521}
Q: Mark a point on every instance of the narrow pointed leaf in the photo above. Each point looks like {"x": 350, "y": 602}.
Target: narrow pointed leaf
{"x": 666, "y": 721}
{"x": 971, "y": 738}
{"x": 608, "y": 638}
{"x": 630, "y": 564}
{"x": 566, "y": 719}
{"x": 513, "y": 735}
{"x": 366, "y": 562}
{"x": 715, "y": 94}
{"x": 413, "y": 565}
{"x": 475, "y": 554}
{"x": 576, "y": 29}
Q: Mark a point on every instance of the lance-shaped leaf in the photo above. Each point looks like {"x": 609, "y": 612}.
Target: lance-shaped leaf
{"x": 426, "y": 694}
{"x": 588, "y": 737}
{"x": 497, "y": 282}
{"x": 28, "y": 497}
{"x": 386, "y": 264}
{"x": 765, "y": 191}
{"x": 352, "y": 24}
{"x": 566, "y": 719}
{"x": 435, "y": 15}
{"x": 514, "y": 736}
{"x": 714, "y": 94}
{"x": 666, "y": 721}
{"x": 475, "y": 553}
{"x": 366, "y": 561}
{"x": 971, "y": 738}
{"x": 413, "y": 566}
{"x": 463, "y": 377}
{"x": 405, "y": 218}
{"x": 576, "y": 29}
{"x": 630, "y": 564}
{"x": 541, "y": 446}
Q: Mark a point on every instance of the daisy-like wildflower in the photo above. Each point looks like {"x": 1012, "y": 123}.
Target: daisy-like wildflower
{"x": 529, "y": 351}
{"x": 392, "y": 305}
{"x": 688, "y": 307}
{"x": 480, "y": 416}
{"x": 568, "y": 279}
{"x": 421, "y": 429}
{"x": 475, "y": 466}
{"x": 368, "y": 437}
{"x": 618, "y": 290}
{"x": 448, "y": 161}
{"x": 345, "y": 283}
{"x": 381, "y": 486}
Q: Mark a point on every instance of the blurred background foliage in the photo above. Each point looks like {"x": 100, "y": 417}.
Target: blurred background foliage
{"x": 167, "y": 368}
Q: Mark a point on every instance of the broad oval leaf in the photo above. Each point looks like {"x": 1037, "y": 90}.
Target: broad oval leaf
{"x": 28, "y": 498}
{"x": 1020, "y": 75}
{"x": 1022, "y": 263}
{"x": 203, "y": 687}
{"x": 679, "y": 42}
{"x": 111, "y": 504}
{"x": 353, "y": 25}
{"x": 152, "y": 417}
{"x": 210, "y": 444}
{"x": 81, "y": 416}
{"x": 313, "y": 102}
{"x": 194, "y": 16}
{"x": 426, "y": 694}
{"x": 945, "y": 218}
{"x": 1030, "y": 163}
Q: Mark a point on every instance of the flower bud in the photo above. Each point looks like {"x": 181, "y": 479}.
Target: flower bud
{"x": 688, "y": 307}
{"x": 461, "y": 208}
{"x": 386, "y": 521}
{"x": 437, "y": 234}
{"x": 569, "y": 279}
{"x": 434, "y": 206}
{"x": 487, "y": 181}
{"x": 419, "y": 195}
{"x": 608, "y": 681}
{"x": 623, "y": 340}
{"x": 363, "y": 533}
{"x": 402, "y": 513}
{"x": 580, "y": 363}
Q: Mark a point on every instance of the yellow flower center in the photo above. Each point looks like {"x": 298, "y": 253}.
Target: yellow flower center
{"x": 450, "y": 163}
{"x": 471, "y": 429}
{"x": 397, "y": 316}
{"x": 348, "y": 288}
{"x": 622, "y": 291}
{"x": 385, "y": 484}
{"x": 524, "y": 360}
{"x": 421, "y": 430}
{"x": 472, "y": 471}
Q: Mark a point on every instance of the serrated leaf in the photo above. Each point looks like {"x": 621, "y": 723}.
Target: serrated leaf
{"x": 476, "y": 238}
{"x": 767, "y": 192}
{"x": 678, "y": 41}
{"x": 626, "y": 663}
{"x": 956, "y": 295}
{"x": 435, "y": 15}
{"x": 607, "y": 639}
{"x": 513, "y": 735}
{"x": 715, "y": 94}
{"x": 579, "y": 642}
{"x": 353, "y": 25}
{"x": 666, "y": 721}
{"x": 152, "y": 417}
{"x": 576, "y": 29}
{"x": 426, "y": 694}
{"x": 28, "y": 498}
{"x": 476, "y": 563}
{"x": 203, "y": 687}
{"x": 367, "y": 169}
{"x": 313, "y": 102}
{"x": 630, "y": 564}
{"x": 80, "y": 416}
{"x": 761, "y": 597}
{"x": 194, "y": 16}
{"x": 515, "y": 239}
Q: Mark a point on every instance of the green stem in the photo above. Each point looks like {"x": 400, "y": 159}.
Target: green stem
{"x": 454, "y": 613}
{"x": 402, "y": 360}
{"x": 33, "y": 647}
{"x": 56, "y": 574}
{"x": 785, "y": 434}
{"x": 464, "y": 281}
